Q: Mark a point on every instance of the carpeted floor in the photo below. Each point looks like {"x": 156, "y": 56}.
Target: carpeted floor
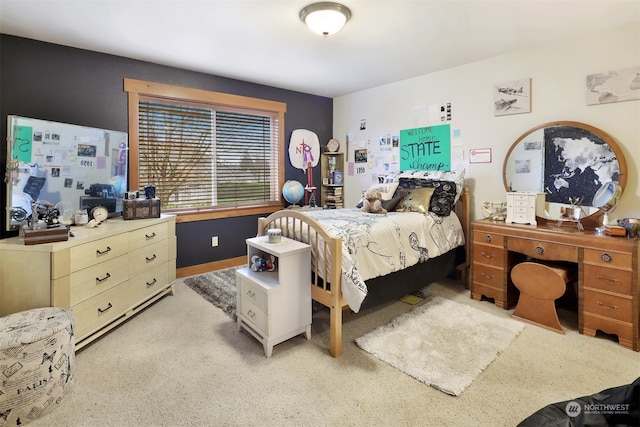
{"x": 182, "y": 362}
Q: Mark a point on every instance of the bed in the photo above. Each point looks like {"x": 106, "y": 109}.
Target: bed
{"x": 338, "y": 280}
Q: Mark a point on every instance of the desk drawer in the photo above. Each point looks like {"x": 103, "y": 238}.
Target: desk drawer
{"x": 488, "y": 238}
{"x": 543, "y": 250}
{"x": 607, "y": 279}
{"x": 488, "y": 276}
{"x": 608, "y": 258}
{"x": 608, "y": 306}
{"x": 488, "y": 255}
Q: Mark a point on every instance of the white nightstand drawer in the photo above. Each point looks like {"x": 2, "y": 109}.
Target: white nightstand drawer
{"x": 253, "y": 293}
{"x": 254, "y": 315}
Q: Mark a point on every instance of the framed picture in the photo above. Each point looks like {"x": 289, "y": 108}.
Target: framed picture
{"x": 613, "y": 86}
{"x": 512, "y": 97}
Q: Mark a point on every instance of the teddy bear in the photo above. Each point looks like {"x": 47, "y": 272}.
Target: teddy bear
{"x": 372, "y": 202}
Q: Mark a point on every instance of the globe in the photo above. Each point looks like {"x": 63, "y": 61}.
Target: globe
{"x": 292, "y": 191}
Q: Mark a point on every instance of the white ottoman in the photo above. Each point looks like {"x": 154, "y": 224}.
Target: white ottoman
{"x": 37, "y": 363}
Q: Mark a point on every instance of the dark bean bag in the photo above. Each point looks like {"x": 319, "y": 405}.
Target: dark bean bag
{"x": 617, "y": 406}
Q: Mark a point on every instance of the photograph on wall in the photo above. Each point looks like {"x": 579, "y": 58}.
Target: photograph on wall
{"x": 360, "y": 155}
{"x": 568, "y": 174}
{"x": 613, "y": 86}
{"x": 512, "y": 97}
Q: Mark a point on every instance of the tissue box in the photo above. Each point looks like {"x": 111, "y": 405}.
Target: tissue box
{"x": 141, "y": 208}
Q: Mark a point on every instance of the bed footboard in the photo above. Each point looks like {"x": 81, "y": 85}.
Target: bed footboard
{"x": 326, "y": 262}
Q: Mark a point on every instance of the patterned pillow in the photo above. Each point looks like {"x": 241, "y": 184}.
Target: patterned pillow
{"x": 442, "y": 201}
{"x": 415, "y": 200}
{"x": 455, "y": 176}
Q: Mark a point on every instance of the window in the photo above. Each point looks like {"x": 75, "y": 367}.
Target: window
{"x": 205, "y": 151}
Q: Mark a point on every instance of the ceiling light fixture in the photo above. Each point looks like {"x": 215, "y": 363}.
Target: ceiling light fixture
{"x": 325, "y": 18}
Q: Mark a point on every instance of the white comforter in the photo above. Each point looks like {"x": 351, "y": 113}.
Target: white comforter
{"x": 375, "y": 245}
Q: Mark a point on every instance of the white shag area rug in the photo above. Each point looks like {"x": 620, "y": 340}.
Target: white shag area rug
{"x": 442, "y": 343}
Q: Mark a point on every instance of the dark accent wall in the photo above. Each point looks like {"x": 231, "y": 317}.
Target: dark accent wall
{"x": 63, "y": 84}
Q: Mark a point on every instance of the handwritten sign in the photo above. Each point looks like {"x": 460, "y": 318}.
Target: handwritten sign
{"x": 23, "y": 143}
{"x": 426, "y": 148}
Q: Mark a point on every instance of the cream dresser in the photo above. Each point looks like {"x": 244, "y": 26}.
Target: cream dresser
{"x": 104, "y": 274}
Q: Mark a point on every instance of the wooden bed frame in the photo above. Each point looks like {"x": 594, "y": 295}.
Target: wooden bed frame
{"x": 328, "y": 292}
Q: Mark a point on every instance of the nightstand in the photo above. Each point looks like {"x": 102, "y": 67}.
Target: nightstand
{"x": 275, "y": 306}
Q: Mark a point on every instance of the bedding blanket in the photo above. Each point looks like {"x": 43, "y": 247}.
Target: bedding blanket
{"x": 375, "y": 245}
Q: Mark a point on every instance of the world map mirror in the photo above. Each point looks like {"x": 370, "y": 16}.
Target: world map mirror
{"x": 568, "y": 162}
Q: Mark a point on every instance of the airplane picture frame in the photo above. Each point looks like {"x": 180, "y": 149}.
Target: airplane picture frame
{"x": 513, "y": 97}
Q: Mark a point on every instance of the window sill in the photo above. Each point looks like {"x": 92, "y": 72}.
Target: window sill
{"x": 217, "y": 213}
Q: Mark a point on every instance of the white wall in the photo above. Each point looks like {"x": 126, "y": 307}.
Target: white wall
{"x": 558, "y": 74}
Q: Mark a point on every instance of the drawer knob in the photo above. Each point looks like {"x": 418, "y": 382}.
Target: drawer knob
{"x": 251, "y": 314}
{"x": 102, "y": 310}
{"x": 488, "y": 238}
{"x": 250, "y": 293}
{"x": 106, "y": 251}
{"x": 605, "y": 257}
{"x": 151, "y": 259}
{"x": 487, "y": 276}
{"x": 610, "y": 307}
{"x": 539, "y": 250}
{"x": 153, "y": 282}
{"x": 99, "y": 280}
{"x": 150, "y": 236}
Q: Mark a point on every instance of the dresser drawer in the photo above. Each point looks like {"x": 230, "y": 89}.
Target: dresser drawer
{"x": 148, "y": 257}
{"x": 252, "y": 293}
{"x": 255, "y": 316}
{"x": 608, "y": 258}
{"x": 543, "y": 250}
{"x": 608, "y": 279}
{"x": 608, "y": 306}
{"x": 488, "y": 238}
{"x": 147, "y": 236}
{"x": 102, "y": 309}
{"x": 150, "y": 282}
{"x": 92, "y": 280}
{"x": 88, "y": 254}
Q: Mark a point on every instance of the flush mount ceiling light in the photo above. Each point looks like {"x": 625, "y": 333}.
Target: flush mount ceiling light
{"x": 325, "y": 18}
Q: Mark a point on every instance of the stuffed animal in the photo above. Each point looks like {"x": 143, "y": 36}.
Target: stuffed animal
{"x": 372, "y": 202}
{"x": 263, "y": 263}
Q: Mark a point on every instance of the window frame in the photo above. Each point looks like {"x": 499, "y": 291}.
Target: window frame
{"x": 138, "y": 89}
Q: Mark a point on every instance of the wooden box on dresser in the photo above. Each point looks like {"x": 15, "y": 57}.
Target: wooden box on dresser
{"x": 608, "y": 290}
{"x": 104, "y": 274}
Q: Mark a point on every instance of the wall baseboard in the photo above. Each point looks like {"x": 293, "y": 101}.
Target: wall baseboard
{"x": 210, "y": 266}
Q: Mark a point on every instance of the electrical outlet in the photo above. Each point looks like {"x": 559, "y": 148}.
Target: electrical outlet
{"x": 214, "y": 241}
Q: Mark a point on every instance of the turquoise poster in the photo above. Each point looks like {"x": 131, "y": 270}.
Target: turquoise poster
{"x": 426, "y": 148}
{"x": 23, "y": 143}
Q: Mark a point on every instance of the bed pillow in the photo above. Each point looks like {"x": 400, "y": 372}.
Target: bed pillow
{"x": 415, "y": 200}
{"x": 455, "y": 176}
{"x": 386, "y": 189}
{"x": 442, "y": 201}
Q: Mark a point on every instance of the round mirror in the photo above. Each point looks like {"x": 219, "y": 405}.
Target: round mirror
{"x": 569, "y": 162}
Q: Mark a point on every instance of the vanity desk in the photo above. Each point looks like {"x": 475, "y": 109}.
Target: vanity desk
{"x": 104, "y": 274}
{"x": 608, "y": 294}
